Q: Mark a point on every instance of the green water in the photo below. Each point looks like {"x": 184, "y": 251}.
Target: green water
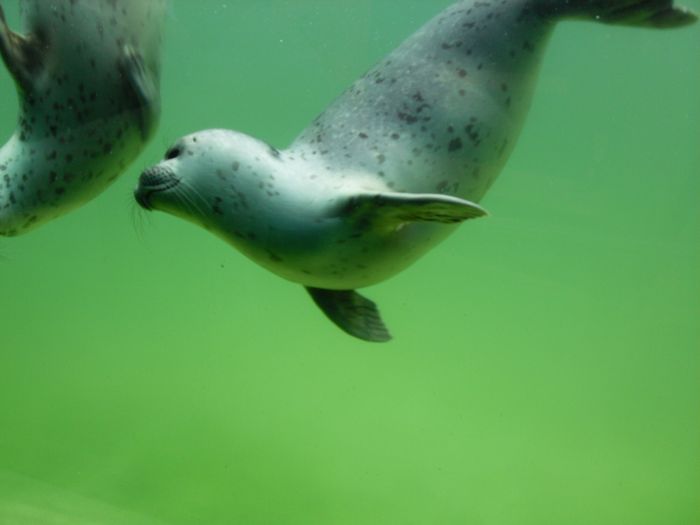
{"x": 546, "y": 361}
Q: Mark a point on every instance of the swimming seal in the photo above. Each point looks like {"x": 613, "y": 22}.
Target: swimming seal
{"x": 87, "y": 76}
{"x": 391, "y": 167}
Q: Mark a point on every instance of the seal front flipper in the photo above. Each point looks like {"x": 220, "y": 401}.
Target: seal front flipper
{"x": 413, "y": 207}
{"x": 22, "y": 55}
{"x": 141, "y": 90}
{"x": 352, "y": 313}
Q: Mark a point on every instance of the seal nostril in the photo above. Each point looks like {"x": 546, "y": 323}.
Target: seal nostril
{"x": 155, "y": 180}
{"x": 151, "y": 178}
{"x": 157, "y": 176}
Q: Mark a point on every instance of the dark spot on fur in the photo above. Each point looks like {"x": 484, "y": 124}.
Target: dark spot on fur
{"x": 409, "y": 119}
{"x": 274, "y": 256}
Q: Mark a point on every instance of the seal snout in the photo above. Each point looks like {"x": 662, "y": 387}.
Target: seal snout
{"x": 154, "y": 180}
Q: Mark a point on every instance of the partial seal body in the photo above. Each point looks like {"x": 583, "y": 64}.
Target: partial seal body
{"x": 87, "y": 75}
{"x": 389, "y": 169}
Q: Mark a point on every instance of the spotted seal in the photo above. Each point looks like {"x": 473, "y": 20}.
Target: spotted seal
{"x": 391, "y": 167}
{"x": 87, "y": 75}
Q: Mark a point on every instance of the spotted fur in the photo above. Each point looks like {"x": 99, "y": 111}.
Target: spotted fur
{"x": 87, "y": 74}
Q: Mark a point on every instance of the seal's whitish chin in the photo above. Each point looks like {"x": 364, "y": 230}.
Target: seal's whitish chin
{"x": 154, "y": 180}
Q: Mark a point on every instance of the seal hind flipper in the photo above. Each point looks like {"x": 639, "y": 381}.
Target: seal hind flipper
{"x": 352, "y": 313}
{"x": 414, "y": 207}
{"x": 22, "y": 55}
{"x": 660, "y": 14}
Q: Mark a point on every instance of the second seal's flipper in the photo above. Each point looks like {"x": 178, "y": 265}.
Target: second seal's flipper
{"x": 142, "y": 90}
{"x": 21, "y": 55}
{"x": 352, "y": 313}
{"x": 394, "y": 208}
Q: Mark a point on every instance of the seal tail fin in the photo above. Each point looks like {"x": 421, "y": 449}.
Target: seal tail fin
{"x": 659, "y": 14}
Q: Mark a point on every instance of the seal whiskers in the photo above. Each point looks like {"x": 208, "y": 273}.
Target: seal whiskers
{"x": 190, "y": 200}
{"x": 138, "y": 217}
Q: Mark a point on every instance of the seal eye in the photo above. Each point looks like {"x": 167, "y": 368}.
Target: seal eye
{"x": 173, "y": 153}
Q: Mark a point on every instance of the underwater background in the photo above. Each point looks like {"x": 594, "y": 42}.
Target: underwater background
{"x": 546, "y": 361}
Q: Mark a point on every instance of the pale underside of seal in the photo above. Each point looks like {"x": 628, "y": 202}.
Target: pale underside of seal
{"x": 87, "y": 76}
{"x": 392, "y": 165}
